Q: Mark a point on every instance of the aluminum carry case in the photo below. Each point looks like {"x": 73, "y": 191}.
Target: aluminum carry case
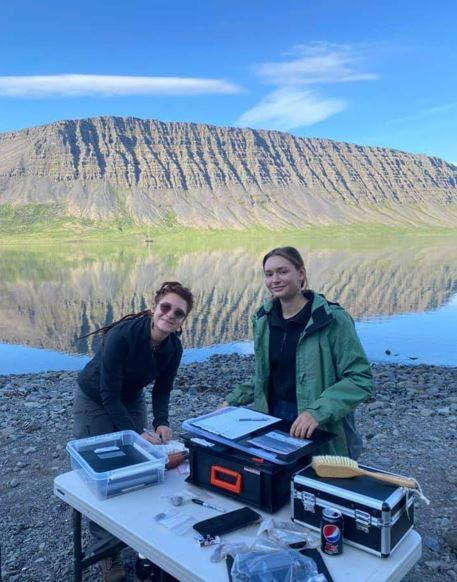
{"x": 376, "y": 515}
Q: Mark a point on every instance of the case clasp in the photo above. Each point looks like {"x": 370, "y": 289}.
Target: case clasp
{"x": 308, "y": 500}
{"x": 362, "y": 520}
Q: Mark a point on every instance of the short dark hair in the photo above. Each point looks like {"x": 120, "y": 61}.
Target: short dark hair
{"x": 290, "y": 254}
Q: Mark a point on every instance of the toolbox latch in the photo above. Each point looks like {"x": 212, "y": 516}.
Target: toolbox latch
{"x": 362, "y": 520}
{"x": 308, "y": 500}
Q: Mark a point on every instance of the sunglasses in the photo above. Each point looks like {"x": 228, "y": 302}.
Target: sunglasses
{"x": 168, "y": 308}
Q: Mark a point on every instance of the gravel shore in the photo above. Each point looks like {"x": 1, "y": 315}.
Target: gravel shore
{"x": 409, "y": 426}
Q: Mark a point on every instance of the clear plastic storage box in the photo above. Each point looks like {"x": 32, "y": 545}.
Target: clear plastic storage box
{"x": 118, "y": 462}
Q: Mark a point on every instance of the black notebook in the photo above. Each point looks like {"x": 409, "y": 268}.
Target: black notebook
{"x": 316, "y": 556}
{"x": 113, "y": 457}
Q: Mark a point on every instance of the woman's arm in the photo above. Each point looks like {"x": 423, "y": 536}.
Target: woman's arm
{"x": 162, "y": 389}
{"x": 354, "y": 376}
{"x": 242, "y": 394}
{"x": 114, "y": 353}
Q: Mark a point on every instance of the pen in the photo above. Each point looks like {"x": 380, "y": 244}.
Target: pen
{"x": 255, "y": 419}
{"x": 209, "y": 505}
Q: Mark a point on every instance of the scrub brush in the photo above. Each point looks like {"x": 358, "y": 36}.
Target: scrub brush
{"x": 343, "y": 467}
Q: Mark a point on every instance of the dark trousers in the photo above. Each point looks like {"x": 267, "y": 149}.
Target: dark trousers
{"x": 91, "y": 419}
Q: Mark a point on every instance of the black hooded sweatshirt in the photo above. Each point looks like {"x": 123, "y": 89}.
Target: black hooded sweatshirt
{"x": 284, "y": 336}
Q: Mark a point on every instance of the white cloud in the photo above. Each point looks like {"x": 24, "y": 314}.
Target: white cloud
{"x": 292, "y": 104}
{"x": 317, "y": 63}
{"x": 289, "y": 108}
{"x": 42, "y": 86}
{"x": 430, "y": 112}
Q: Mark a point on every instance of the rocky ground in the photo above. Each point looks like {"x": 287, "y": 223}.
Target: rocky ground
{"x": 409, "y": 426}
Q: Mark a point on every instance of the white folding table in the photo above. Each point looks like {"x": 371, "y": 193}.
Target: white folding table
{"x": 130, "y": 517}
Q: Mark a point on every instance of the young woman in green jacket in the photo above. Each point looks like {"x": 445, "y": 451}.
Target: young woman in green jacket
{"x": 310, "y": 367}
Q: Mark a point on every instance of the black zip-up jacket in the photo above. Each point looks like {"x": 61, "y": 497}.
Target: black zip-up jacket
{"x": 284, "y": 336}
{"x": 124, "y": 364}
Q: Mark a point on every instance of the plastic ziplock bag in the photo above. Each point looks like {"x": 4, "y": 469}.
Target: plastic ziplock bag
{"x": 174, "y": 447}
{"x": 176, "y": 521}
{"x": 179, "y": 498}
{"x": 258, "y": 544}
{"x": 286, "y": 532}
{"x": 280, "y": 566}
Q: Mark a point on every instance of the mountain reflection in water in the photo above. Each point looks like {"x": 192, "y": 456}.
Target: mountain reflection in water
{"x": 50, "y": 297}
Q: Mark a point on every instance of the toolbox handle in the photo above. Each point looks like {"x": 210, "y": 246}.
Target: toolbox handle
{"x": 217, "y": 471}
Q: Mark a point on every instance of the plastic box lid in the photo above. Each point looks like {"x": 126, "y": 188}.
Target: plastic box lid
{"x": 116, "y": 454}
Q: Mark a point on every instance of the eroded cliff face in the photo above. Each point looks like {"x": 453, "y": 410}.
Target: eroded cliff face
{"x": 51, "y": 301}
{"x": 214, "y": 177}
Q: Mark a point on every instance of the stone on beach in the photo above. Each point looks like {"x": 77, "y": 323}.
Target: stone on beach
{"x": 401, "y": 425}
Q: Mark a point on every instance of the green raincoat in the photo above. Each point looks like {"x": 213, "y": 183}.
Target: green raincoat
{"x": 332, "y": 371}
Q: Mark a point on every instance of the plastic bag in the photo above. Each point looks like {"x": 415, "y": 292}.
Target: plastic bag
{"x": 224, "y": 550}
{"x": 286, "y": 532}
{"x": 258, "y": 544}
{"x": 176, "y": 521}
{"x": 280, "y": 566}
{"x": 179, "y": 498}
{"x": 174, "y": 447}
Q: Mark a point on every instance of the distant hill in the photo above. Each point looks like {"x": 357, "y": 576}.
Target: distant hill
{"x": 202, "y": 176}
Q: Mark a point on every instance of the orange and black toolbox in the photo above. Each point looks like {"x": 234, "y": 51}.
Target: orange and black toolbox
{"x": 252, "y": 461}
{"x": 253, "y": 480}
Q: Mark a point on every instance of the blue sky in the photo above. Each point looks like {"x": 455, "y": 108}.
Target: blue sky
{"x": 372, "y": 73}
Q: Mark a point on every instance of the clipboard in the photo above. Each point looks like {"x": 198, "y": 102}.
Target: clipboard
{"x": 319, "y": 438}
{"x": 234, "y": 422}
{"x": 243, "y": 444}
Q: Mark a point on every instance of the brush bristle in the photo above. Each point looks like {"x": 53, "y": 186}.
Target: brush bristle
{"x": 335, "y": 466}
{"x": 333, "y": 461}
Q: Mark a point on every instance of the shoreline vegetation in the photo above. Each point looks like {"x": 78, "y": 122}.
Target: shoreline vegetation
{"x": 43, "y": 224}
{"x": 408, "y": 426}
{"x": 46, "y": 232}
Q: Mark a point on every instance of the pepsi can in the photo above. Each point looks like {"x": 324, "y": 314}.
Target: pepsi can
{"x": 332, "y": 532}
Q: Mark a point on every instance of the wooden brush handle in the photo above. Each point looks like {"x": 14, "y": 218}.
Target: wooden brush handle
{"x": 392, "y": 479}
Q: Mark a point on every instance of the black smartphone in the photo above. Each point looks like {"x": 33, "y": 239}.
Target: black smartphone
{"x": 226, "y": 522}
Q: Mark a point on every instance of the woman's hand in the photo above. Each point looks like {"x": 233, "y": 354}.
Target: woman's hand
{"x": 151, "y": 437}
{"x": 164, "y": 433}
{"x": 303, "y": 426}
{"x": 223, "y": 404}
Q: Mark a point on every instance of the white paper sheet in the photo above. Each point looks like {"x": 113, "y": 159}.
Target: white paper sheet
{"x": 279, "y": 442}
{"x": 234, "y": 423}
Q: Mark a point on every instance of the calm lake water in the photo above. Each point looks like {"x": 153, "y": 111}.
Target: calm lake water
{"x": 402, "y": 292}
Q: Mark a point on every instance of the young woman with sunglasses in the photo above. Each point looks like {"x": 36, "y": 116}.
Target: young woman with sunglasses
{"x": 135, "y": 351}
{"x": 311, "y": 369}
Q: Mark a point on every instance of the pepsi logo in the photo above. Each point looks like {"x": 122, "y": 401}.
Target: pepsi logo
{"x": 331, "y": 533}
